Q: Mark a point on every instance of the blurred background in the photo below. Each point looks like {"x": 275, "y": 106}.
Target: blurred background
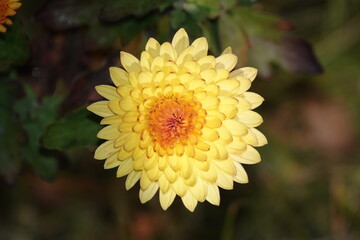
{"x": 308, "y": 183}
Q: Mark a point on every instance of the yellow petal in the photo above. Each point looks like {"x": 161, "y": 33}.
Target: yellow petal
{"x": 200, "y": 155}
{"x": 253, "y": 98}
{"x": 114, "y": 106}
{"x": 138, "y": 163}
{"x": 202, "y": 165}
{"x": 144, "y": 181}
{"x": 111, "y": 162}
{"x": 108, "y": 92}
{"x": 123, "y": 154}
{"x": 221, "y": 75}
{"x": 179, "y": 187}
{"x": 249, "y": 156}
{"x": 200, "y": 48}
{"x": 2, "y": 28}
{"x": 166, "y": 199}
{"x": 110, "y": 132}
{"x": 132, "y": 142}
{"x": 145, "y": 61}
{"x": 250, "y": 118}
{"x": 250, "y": 138}
{"x": 235, "y": 127}
{"x": 196, "y": 84}
{"x": 153, "y": 47}
{"x": 14, "y": 5}
{"x": 129, "y": 62}
{"x": 208, "y": 75}
{"x": 157, "y": 64}
{"x": 120, "y": 141}
{"x": 191, "y": 67}
{"x": 210, "y": 102}
{"x": 124, "y": 90}
{"x": 105, "y": 150}
{"x": 216, "y": 113}
{"x": 208, "y": 176}
{"x": 186, "y": 167}
{"x": 209, "y": 134}
{"x": 243, "y": 105}
{"x": 203, "y": 146}
{"x": 125, "y": 168}
{"x": 238, "y": 145}
{"x": 227, "y": 51}
{"x": 226, "y": 61}
{"x": 221, "y": 148}
{"x": 180, "y": 149}
{"x": 247, "y": 72}
{"x": 229, "y": 85}
{"x": 186, "y": 55}
{"x": 180, "y": 41}
{"x": 132, "y": 179}
{"x": 119, "y": 76}
{"x": 170, "y": 174}
{"x": 241, "y": 175}
{"x": 224, "y": 180}
{"x": 167, "y": 52}
{"x": 199, "y": 190}
{"x": 10, "y": 12}
{"x": 212, "y": 89}
{"x": 130, "y": 116}
{"x": 128, "y": 104}
{"x": 228, "y": 110}
{"x": 144, "y": 78}
{"x": 207, "y": 62}
{"x": 189, "y": 201}
{"x": 260, "y": 137}
{"x": 213, "y": 122}
{"x": 213, "y": 195}
{"x": 245, "y": 84}
{"x": 164, "y": 184}
{"x": 148, "y": 193}
{"x": 100, "y": 108}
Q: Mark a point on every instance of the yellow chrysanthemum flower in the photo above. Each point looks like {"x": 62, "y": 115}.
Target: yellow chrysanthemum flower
{"x": 179, "y": 121}
{"x": 7, "y": 8}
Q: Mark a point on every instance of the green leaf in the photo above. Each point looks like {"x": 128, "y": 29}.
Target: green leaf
{"x": 203, "y": 8}
{"x": 14, "y": 47}
{"x": 259, "y": 23}
{"x": 104, "y": 35}
{"x": 233, "y": 35}
{"x": 77, "y": 129}
{"x": 10, "y": 134}
{"x": 35, "y": 117}
{"x": 114, "y": 10}
{"x": 178, "y": 17}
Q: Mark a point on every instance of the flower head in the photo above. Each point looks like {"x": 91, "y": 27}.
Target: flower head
{"x": 7, "y": 8}
{"x": 179, "y": 121}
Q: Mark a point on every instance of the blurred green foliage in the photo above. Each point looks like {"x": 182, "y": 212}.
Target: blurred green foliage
{"x": 57, "y": 51}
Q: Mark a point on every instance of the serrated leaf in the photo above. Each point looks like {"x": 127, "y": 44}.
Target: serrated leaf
{"x": 259, "y": 37}
{"x": 35, "y": 117}
{"x": 292, "y": 54}
{"x": 77, "y": 129}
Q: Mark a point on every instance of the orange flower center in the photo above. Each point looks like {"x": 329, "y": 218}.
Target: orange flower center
{"x": 171, "y": 121}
